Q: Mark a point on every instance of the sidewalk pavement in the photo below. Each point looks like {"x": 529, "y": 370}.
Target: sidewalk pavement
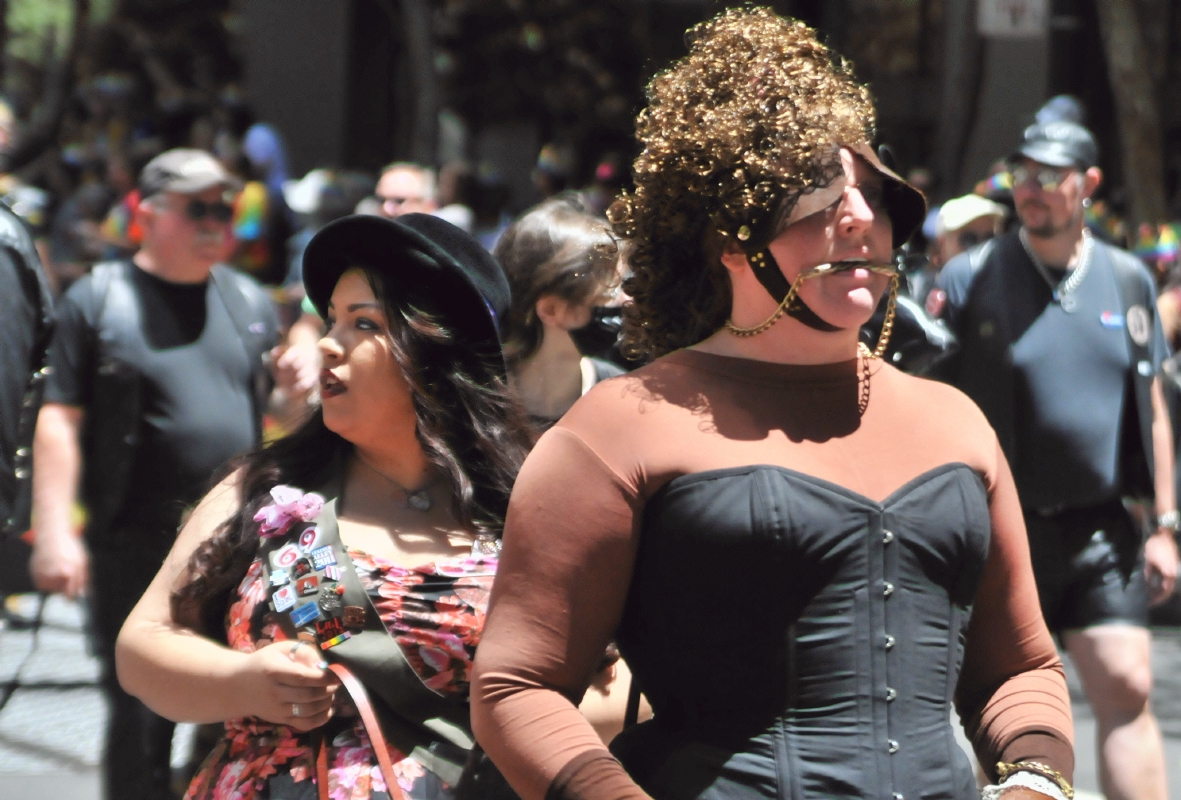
{"x": 51, "y": 729}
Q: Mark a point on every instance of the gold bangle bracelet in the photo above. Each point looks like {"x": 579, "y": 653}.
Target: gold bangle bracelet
{"x": 1003, "y": 771}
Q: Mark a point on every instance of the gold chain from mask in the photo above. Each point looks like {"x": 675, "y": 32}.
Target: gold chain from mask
{"x": 829, "y": 269}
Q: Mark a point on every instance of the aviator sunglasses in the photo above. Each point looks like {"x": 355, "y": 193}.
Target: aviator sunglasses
{"x": 218, "y": 211}
{"x": 1049, "y": 178}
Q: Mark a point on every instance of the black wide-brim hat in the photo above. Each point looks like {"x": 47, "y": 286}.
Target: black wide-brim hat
{"x": 424, "y": 258}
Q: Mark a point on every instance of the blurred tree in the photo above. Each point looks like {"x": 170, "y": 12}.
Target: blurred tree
{"x": 42, "y": 130}
{"x": 181, "y": 51}
{"x": 1139, "y": 115}
{"x": 577, "y": 69}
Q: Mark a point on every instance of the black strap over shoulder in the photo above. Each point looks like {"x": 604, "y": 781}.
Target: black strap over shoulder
{"x": 252, "y": 333}
{"x": 111, "y": 430}
{"x": 1139, "y": 306}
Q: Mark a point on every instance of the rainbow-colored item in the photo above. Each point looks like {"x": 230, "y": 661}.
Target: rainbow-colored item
{"x": 335, "y": 640}
{"x": 1159, "y": 243}
{"x": 248, "y": 226}
{"x": 1001, "y": 181}
{"x": 250, "y": 212}
{"x": 1104, "y": 223}
{"x": 120, "y": 227}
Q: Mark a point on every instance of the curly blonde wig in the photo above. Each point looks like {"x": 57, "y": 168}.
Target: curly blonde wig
{"x": 733, "y": 134}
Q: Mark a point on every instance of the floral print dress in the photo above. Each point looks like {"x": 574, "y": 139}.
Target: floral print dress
{"x": 435, "y": 611}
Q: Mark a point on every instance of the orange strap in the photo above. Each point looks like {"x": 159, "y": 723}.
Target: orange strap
{"x": 360, "y": 698}
{"x": 322, "y": 765}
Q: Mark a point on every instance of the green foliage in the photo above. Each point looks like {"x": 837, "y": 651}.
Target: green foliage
{"x": 31, "y": 21}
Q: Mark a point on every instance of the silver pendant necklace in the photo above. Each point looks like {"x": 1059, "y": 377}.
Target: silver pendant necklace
{"x": 419, "y": 500}
{"x": 1062, "y": 291}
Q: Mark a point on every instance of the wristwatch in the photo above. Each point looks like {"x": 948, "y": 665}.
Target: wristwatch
{"x": 1170, "y": 519}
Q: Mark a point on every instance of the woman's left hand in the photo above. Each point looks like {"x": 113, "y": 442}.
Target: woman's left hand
{"x": 286, "y": 683}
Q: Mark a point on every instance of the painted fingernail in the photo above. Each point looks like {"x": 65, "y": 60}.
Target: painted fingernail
{"x": 322, "y": 665}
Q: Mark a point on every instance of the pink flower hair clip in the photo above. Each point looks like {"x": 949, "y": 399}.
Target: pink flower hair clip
{"x": 290, "y": 506}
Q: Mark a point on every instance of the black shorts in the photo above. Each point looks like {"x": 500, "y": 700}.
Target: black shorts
{"x": 1089, "y": 567}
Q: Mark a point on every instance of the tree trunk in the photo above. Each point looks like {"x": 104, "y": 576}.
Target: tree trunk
{"x": 3, "y": 40}
{"x": 416, "y": 16}
{"x": 961, "y": 88}
{"x": 1139, "y": 117}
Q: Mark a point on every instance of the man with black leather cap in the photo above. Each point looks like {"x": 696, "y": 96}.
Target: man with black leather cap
{"x": 1061, "y": 348}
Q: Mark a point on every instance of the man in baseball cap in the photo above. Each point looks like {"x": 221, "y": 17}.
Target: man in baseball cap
{"x": 184, "y": 171}
{"x": 156, "y": 369}
{"x": 1061, "y": 348}
{"x": 965, "y": 222}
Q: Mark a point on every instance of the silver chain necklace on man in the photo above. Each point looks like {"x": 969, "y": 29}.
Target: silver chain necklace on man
{"x": 1062, "y": 290}
{"x": 419, "y": 500}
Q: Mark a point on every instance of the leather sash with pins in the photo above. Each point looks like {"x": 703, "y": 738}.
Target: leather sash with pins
{"x": 315, "y": 594}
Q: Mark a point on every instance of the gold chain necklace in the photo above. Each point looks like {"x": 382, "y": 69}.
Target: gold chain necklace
{"x": 829, "y": 269}
{"x": 864, "y": 354}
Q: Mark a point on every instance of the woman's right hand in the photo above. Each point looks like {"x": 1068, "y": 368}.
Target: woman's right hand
{"x": 288, "y": 683}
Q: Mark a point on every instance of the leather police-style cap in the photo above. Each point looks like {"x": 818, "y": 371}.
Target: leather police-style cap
{"x": 1059, "y": 144}
{"x": 425, "y": 257}
{"x": 186, "y": 171}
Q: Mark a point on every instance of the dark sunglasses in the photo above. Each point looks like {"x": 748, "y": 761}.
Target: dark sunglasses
{"x": 197, "y": 210}
{"x": 1048, "y": 178}
{"x": 969, "y": 239}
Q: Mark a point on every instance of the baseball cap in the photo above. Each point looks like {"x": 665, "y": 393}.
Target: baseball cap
{"x": 955, "y": 214}
{"x": 184, "y": 170}
{"x": 1059, "y": 144}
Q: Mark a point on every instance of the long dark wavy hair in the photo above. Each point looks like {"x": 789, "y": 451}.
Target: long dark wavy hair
{"x": 470, "y": 429}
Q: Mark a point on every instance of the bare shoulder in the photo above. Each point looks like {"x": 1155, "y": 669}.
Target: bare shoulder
{"x": 217, "y": 506}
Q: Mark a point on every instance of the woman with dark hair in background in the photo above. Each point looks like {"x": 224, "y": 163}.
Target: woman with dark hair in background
{"x": 801, "y": 578}
{"x": 359, "y": 551}
{"x": 561, "y": 262}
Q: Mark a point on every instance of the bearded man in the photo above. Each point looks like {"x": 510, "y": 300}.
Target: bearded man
{"x": 1061, "y": 348}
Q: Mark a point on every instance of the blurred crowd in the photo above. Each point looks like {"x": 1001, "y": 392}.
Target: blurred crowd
{"x": 963, "y": 222}
{"x": 85, "y": 205}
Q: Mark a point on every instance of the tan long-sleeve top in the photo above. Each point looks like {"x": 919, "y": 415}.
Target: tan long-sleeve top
{"x": 576, "y": 518}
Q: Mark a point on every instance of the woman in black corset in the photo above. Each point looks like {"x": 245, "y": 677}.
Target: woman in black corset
{"x": 802, "y": 578}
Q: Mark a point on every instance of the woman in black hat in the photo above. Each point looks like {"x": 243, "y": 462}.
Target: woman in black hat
{"x": 802, "y": 579}
{"x": 326, "y": 598}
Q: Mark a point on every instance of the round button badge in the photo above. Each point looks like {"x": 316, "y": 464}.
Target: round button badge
{"x": 1139, "y": 324}
{"x": 308, "y": 538}
{"x": 285, "y": 556}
